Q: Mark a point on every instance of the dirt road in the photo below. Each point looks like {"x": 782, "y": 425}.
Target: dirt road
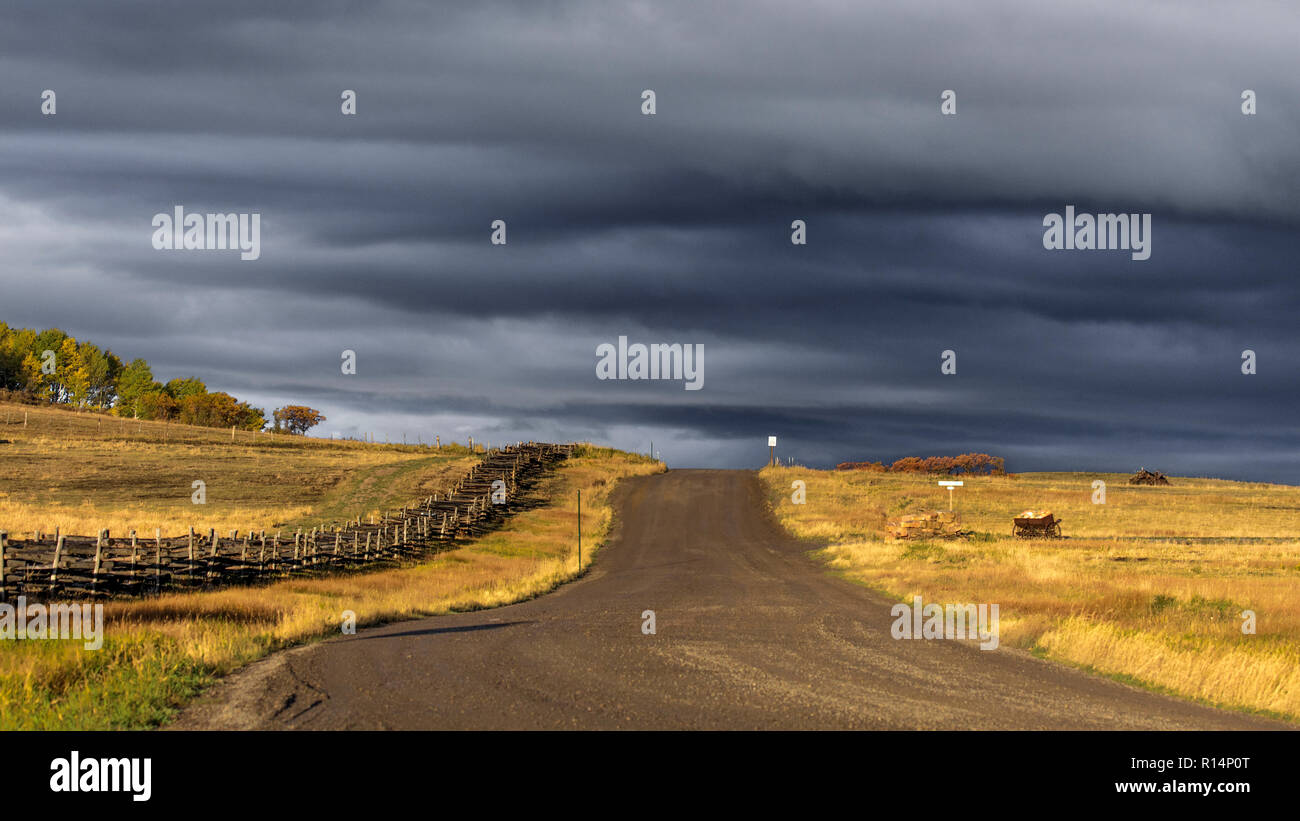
{"x": 751, "y": 633}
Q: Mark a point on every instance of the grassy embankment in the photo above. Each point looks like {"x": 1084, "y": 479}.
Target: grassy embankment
{"x": 1148, "y": 587}
{"x": 158, "y": 653}
{"x": 81, "y": 472}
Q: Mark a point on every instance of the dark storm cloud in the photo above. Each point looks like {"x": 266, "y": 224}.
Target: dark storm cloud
{"x": 924, "y": 231}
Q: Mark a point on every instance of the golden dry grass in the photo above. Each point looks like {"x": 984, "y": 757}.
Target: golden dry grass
{"x": 82, "y": 472}
{"x": 1149, "y": 586}
{"x": 159, "y": 652}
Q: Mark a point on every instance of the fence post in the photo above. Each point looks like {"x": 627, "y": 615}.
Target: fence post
{"x": 99, "y": 559}
{"x": 212, "y": 552}
{"x": 3, "y": 590}
{"x": 54, "y": 568}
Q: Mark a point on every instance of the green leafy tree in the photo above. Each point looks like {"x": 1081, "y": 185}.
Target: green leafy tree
{"x": 134, "y": 382}
{"x": 179, "y": 389}
{"x": 250, "y": 418}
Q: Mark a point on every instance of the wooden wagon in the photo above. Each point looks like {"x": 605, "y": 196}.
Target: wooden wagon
{"x": 1031, "y": 525}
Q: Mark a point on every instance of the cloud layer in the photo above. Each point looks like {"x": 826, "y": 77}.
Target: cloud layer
{"x": 924, "y": 231}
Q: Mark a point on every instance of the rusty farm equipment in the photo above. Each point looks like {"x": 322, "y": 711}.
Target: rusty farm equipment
{"x": 1031, "y": 525}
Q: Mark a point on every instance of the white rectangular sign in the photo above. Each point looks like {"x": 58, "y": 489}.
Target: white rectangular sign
{"x": 771, "y": 441}
{"x": 949, "y": 484}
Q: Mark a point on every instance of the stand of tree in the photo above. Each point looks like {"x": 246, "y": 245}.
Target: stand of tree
{"x": 965, "y": 463}
{"x": 53, "y": 366}
{"x": 296, "y": 419}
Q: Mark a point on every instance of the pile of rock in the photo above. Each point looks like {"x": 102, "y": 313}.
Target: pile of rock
{"x": 935, "y": 524}
{"x": 1148, "y": 477}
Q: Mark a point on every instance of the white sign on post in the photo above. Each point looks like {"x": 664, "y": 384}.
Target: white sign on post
{"x": 771, "y": 441}
{"x": 950, "y": 485}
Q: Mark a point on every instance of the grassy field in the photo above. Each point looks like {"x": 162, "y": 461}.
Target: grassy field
{"x": 159, "y": 653}
{"x": 81, "y": 472}
{"x": 1148, "y": 587}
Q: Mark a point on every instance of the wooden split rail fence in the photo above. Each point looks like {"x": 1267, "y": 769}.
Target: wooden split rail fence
{"x": 105, "y": 565}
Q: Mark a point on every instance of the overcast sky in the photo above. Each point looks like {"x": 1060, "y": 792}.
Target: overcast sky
{"x": 925, "y": 231}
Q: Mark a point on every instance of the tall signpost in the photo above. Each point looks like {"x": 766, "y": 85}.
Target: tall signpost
{"x": 950, "y": 485}
{"x": 771, "y": 451}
